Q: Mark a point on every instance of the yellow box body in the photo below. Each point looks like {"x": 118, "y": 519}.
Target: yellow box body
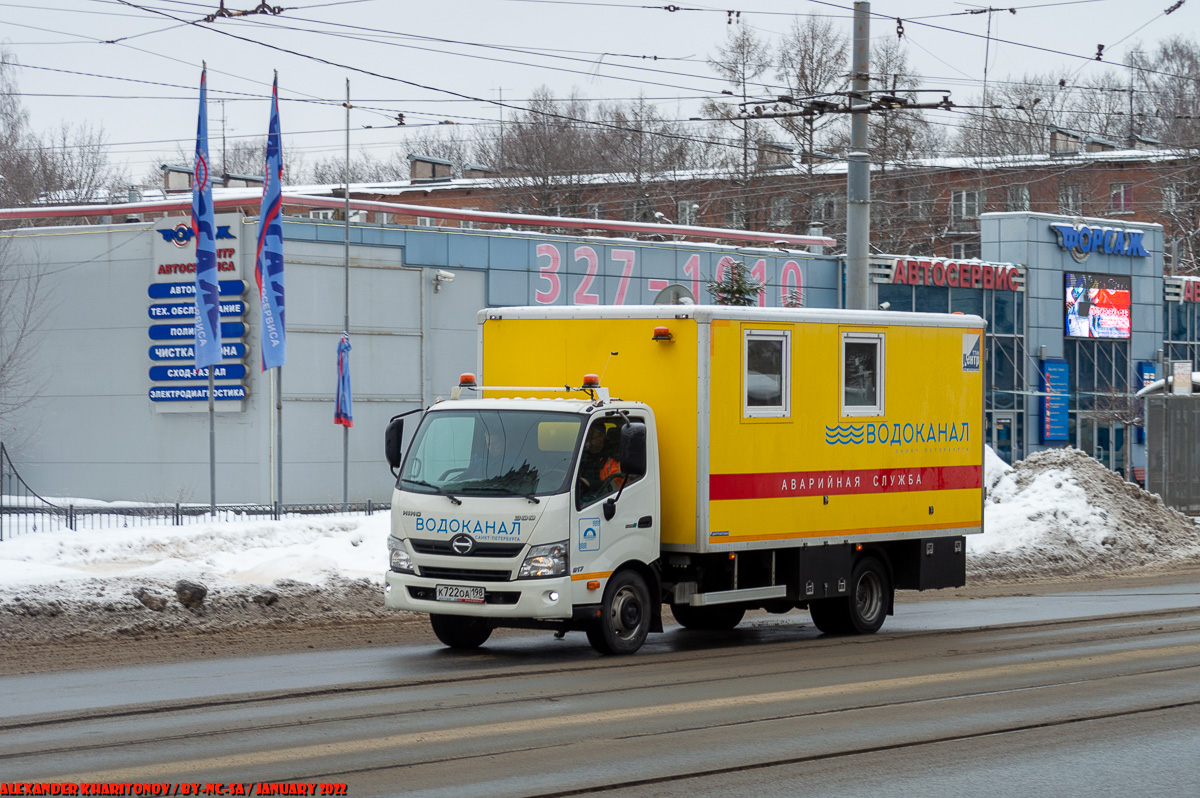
{"x": 729, "y": 481}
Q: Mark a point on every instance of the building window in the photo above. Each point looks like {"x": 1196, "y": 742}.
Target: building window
{"x": 467, "y": 225}
{"x": 1018, "y": 198}
{"x": 965, "y": 250}
{"x": 1070, "y": 200}
{"x": 686, "y": 212}
{"x": 766, "y": 381}
{"x": 825, "y": 207}
{"x": 1121, "y": 197}
{"x": 424, "y": 221}
{"x": 595, "y": 210}
{"x": 781, "y": 211}
{"x": 639, "y": 211}
{"x": 1170, "y": 197}
{"x": 862, "y": 374}
{"x": 964, "y": 205}
{"x": 324, "y": 213}
{"x": 738, "y": 217}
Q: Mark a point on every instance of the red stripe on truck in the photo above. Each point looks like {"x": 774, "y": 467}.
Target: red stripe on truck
{"x": 726, "y": 487}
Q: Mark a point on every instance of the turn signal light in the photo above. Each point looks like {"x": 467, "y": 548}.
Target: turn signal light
{"x": 593, "y": 584}
{"x": 466, "y": 380}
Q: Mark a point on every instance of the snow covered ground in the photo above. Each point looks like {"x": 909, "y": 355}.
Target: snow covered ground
{"x": 1057, "y": 514}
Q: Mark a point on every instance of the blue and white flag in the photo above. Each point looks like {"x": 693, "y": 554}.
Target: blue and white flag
{"x": 268, "y": 263}
{"x": 343, "y": 412}
{"x": 208, "y": 302}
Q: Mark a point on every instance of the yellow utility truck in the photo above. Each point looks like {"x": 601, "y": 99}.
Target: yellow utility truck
{"x": 605, "y": 461}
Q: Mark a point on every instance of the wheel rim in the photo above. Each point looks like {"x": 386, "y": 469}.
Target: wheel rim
{"x": 626, "y": 613}
{"x": 868, "y": 597}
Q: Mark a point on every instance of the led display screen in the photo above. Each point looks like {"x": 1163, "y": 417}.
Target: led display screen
{"x": 1097, "y": 305}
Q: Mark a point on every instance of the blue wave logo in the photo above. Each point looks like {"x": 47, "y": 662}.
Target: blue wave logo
{"x": 847, "y": 434}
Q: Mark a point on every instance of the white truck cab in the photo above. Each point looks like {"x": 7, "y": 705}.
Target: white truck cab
{"x": 535, "y": 513}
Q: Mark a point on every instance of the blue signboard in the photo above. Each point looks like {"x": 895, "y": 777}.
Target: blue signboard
{"x": 198, "y": 393}
{"x": 167, "y": 332}
{"x": 223, "y": 371}
{"x": 187, "y": 310}
{"x": 184, "y": 290}
{"x": 1055, "y": 382}
{"x": 1147, "y": 374}
{"x": 188, "y": 351}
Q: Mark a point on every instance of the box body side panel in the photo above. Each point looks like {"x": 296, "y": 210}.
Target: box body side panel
{"x": 663, "y": 374}
{"x": 914, "y": 469}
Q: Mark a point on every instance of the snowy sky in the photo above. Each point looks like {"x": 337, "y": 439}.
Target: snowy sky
{"x": 132, "y": 66}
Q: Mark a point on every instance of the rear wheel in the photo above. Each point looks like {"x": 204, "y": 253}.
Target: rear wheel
{"x": 715, "y": 618}
{"x": 458, "y": 631}
{"x": 864, "y": 610}
{"x": 624, "y": 615}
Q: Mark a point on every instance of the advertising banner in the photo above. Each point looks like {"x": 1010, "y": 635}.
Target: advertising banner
{"x": 1055, "y": 383}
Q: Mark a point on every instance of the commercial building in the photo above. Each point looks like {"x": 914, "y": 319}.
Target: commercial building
{"x": 1080, "y": 316}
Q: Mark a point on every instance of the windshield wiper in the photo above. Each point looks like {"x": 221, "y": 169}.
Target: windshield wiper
{"x": 436, "y": 489}
{"x": 506, "y": 490}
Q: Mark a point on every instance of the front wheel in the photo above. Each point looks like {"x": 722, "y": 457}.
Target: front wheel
{"x": 624, "y": 615}
{"x": 458, "y": 631}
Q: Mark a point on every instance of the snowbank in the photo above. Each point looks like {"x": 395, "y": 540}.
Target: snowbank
{"x": 1058, "y": 514}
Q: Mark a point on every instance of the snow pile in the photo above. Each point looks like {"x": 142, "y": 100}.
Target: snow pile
{"x": 1060, "y": 513}
{"x": 129, "y": 580}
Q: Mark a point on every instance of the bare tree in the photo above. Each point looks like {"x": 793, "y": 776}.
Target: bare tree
{"x": 69, "y": 166}
{"x": 21, "y": 314}
{"x": 1174, "y": 94}
{"x": 75, "y": 168}
{"x": 898, "y": 135}
{"x": 364, "y": 168}
{"x": 545, "y": 155}
{"x": 1025, "y": 110}
{"x": 742, "y": 61}
{"x": 19, "y": 147}
{"x": 812, "y": 64}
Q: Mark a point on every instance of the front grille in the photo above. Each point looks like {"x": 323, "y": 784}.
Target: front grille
{"x": 468, "y": 574}
{"x": 481, "y": 549}
{"x": 489, "y": 597}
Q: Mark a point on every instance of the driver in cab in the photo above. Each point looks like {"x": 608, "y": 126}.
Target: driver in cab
{"x": 599, "y": 471}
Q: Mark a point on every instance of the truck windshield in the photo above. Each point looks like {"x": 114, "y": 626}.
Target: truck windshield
{"x": 488, "y": 452}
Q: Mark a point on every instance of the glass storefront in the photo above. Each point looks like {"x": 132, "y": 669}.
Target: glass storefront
{"x": 1004, "y": 381}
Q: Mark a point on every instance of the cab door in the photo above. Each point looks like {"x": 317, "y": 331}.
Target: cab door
{"x": 599, "y": 543}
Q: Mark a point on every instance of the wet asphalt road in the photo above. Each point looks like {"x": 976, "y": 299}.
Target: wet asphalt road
{"x": 1074, "y": 693}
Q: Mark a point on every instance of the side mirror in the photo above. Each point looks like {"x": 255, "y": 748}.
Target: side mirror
{"x": 393, "y": 442}
{"x": 633, "y": 449}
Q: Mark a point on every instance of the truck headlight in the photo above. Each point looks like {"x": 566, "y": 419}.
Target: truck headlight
{"x": 398, "y": 558}
{"x": 545, "y": 561}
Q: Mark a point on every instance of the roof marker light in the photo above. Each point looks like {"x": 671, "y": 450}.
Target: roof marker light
{"x": 591, "y": 381}
{"x": 466, "y": 380}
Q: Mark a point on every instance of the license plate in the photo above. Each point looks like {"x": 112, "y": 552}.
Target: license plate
{"x": 471, "y": 595}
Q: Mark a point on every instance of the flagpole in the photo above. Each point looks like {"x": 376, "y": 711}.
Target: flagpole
{"x": 268, "y": 274}
{"x": 346, "y": 306}
{"x": 208, "y": 353}
{"x": 279, "y": 437}
{"x": 212, "y": 448}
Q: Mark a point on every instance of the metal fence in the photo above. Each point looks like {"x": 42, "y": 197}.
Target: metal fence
{"x": 1173, "y": 450}
{"x": 23, "y": 511}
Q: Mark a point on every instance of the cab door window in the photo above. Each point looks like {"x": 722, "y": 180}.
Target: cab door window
{"x": 600, "y": 472}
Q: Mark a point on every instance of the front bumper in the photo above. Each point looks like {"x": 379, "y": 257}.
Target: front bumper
{"x": 539, "y": 599}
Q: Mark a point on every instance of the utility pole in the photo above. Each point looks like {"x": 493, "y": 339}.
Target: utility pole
{"x": 858, "y": 175}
